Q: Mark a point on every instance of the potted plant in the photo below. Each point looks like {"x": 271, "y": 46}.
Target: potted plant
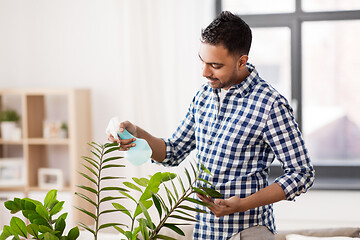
{"x": 43, "y": 224}
{"x": 8, "y": 119}
{"x": 169, "y": 208}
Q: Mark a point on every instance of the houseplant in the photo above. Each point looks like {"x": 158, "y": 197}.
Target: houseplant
{"x": 41, "y": 216}
{"x": 171, "y": 207}
{"x": 8, "y": 119}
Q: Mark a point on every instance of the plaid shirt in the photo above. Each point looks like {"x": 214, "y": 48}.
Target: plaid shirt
{"x": 238, "y": 143}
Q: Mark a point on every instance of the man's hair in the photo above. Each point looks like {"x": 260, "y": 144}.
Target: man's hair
{"x": 230, "y": 31}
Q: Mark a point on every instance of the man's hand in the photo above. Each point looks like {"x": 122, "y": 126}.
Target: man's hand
{"x": 222, "y": 207}
{"x": 125, "y": 144}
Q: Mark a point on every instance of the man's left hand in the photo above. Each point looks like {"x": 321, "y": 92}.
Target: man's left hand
{"x": 222, "y": 207}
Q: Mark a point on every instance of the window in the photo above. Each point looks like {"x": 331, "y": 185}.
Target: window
{"x": 330, "y": 5}
{"x": 259, "y": 6}
{"x": 318, "y": 58}
{"x": 274, "y": 66}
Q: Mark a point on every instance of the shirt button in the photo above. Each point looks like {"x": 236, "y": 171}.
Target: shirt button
{"x": 209, "y": 142}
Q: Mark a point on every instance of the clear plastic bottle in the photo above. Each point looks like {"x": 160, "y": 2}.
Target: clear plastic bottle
{"x": 139, "y": 154}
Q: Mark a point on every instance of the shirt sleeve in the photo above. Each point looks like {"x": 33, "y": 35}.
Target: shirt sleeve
{"x": 284, "y": 138}
{"x": 182, "y": 141}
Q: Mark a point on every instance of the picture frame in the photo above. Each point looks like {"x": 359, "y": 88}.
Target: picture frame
{"x": 12, "y": 172}
{"x": 50, "y": 178}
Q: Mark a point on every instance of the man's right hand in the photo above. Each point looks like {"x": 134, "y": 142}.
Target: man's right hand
{"x": 125, "y": 144}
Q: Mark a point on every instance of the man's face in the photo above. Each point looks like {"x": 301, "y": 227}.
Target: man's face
{"x": 219, "y": 67}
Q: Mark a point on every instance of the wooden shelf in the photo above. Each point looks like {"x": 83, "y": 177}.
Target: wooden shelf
{"x": 35, "y": 107}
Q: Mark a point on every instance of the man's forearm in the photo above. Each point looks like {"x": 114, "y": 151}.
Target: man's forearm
{"x": 157, "y": 145}
{"x": 268, "y": 195}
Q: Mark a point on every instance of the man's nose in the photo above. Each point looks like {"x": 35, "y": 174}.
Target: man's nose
{"x": 206, "y": 71}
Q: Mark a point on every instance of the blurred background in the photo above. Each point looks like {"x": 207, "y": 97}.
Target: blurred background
{"x": 139, "y": 60}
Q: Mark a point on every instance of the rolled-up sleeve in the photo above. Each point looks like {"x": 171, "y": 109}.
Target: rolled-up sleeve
{"x": 285, "y": 140}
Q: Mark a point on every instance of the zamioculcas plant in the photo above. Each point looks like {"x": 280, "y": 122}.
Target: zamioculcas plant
{"x": 98, "y": 163}
{"x": 42, "y": 225}
{"x": 171, "y": 207}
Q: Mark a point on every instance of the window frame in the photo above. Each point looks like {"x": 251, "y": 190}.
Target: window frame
{"x": 346, "y": 177}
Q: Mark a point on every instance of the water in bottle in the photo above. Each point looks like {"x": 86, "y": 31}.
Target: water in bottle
{"x": 140, "y": 153}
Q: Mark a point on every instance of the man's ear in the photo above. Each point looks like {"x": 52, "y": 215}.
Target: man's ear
{"x": 242, "y": 61}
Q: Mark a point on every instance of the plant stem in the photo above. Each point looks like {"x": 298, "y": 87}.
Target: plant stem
{"x": 186, "y": 194}
{"x": 98, "y": 194}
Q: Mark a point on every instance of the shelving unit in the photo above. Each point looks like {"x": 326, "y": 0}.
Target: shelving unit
{"x": 35, "y": 106}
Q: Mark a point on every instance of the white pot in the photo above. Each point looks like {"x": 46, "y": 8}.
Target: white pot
{"x": 7, "y": 130}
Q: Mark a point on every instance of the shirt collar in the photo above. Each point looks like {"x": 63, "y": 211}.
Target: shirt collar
{"x": 245, "y": 86}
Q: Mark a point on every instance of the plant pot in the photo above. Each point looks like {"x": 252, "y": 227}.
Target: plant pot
{"x": 7, "y": 130}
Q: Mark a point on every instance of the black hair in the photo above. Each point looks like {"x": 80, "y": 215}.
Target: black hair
{"x": 229, "y": 30}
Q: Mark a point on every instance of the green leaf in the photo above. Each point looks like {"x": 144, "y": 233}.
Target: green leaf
{"x": 205, "y": 181}
{"x": 212, "y": 192}
{"x": 33, "y": 230}
{"x": 60, "y": 226}
{"x": 106, "y": 199}
{"x": 168, "y": 195}
{"x": 107, "y": 145}
{"x": 128, "y": 196}
{"x": 57, "y": 208}
{"x": 205, "y": 169}
{"x": 40, "y": 221}
{"x": 63, "y": 216}
{"x": 113, "y": 189}
{"x": 112, "y": 149}
{"x": 12, "y": 206}
{"x": 91, "y": 170}
{"x": 45, "y": 229}
{"x": 110, "y": 178}
{"x": 92, "y": 162}
{"x": 42, "y": 211}
{"x": 109, "y": 211}
{"x": 88, "y": 177}
{"x": 110, "y": 225}
{"x": 89, "y": 159}
{"x": 111, "y": 159}
{"x": 198, "y": 202}
{"x": 88, "y": 188}
{"x": 192, "y": 209}
{"x": 86, "y": 212}
{"x": 176, "y": 192}
{"x": 147, "y": 205}
{"x": 159, "y": 236}
{"x": 143, "y": 229}
{"x": 167, "y": 176}
{"x": 182, "y": 184}
{"x": 50, "y": 196}
{"x": 122, "y": 208}
{"x": 183, "y": 218}
{"x": 18, "y": 226}
{"x": 112, "y": 166}
{"x": 174, "y": 228}
{"x": 95, "y": 147}
{"x": 95, "y": 154}
{"x": 86, "y": 198}
{"x": 188, "y": 176}
{"x": 199, "y": 191}
{"x": 141, "y": 181}
{"x": 120, "y": 230}
{"x": 194, "y": 171}
{"x": 185, "y": 213}
{"x": 147, "y": 216}
{"x": 73, "y": 234}
{"x": 157, "y": 204}
{"x": 86, "y": 227}
{"x": 132, "y": 186}
{"x": 7, "y": 232}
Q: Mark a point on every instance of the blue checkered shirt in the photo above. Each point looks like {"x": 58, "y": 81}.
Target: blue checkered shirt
{"x": 238, "y": 143}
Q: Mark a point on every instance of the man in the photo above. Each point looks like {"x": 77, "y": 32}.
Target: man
{"x": 238, "y": 125}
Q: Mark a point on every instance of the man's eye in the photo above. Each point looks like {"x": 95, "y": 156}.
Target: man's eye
{"x": 216, "y": 66}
